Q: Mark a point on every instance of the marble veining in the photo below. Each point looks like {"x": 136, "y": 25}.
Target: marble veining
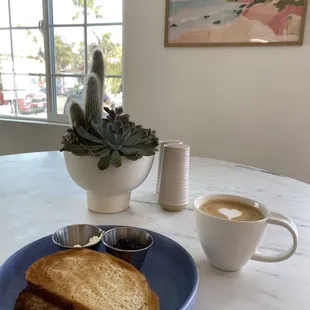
{"x": 37, "y": 196}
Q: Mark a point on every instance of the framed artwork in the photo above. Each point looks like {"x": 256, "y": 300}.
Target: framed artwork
{"x": 234, "y": 22}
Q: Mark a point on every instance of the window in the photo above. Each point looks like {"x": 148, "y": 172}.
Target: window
{"x": 45, "y": 50}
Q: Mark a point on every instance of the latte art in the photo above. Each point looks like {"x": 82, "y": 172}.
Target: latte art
{"x": 231, "y": 210}
{"x": 230, "y": 213}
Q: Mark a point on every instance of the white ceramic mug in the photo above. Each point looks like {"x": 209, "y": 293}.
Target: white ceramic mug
{"x": 230, "y": 244}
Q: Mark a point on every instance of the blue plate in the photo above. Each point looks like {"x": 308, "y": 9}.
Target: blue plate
{"x": 169, "y": 268}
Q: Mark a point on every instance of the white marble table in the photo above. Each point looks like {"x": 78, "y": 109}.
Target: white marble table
{"x": 37, "y": 196}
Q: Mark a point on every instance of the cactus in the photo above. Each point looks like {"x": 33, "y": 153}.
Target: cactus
{"x": 93, "y": 105}
{"x": 99, "y": 69}
{"x": 77, "y": 116}
{"x": 93, "y": 95}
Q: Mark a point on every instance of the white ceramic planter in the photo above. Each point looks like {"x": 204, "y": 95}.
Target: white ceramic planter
{"x": 108, "y": 191}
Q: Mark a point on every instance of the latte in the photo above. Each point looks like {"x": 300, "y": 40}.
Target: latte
{"x": 231, "y": 210}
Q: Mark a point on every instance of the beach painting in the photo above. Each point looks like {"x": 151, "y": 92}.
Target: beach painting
{"x": 234, "y": 22}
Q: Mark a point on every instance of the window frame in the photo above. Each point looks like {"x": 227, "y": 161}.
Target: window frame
{"x": 47, "y": 26}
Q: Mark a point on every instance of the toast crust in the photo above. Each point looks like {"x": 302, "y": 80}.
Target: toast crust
{"x": 83, "y": 279}
{"x": 27, "y": 300}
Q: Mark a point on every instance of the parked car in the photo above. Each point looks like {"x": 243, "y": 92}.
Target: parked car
{"x": 1, "y": 97}
{"x": 78, "y": 97}
{"x": 34, "y": 101}
{"x": 43, "y": 89}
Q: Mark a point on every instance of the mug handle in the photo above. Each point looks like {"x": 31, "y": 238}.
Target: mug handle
{"x": 280, "y": 220}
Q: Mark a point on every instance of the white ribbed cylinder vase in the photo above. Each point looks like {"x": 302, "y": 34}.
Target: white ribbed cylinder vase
{"x": 174, "y": 185}
{"x": 162, "y": 143}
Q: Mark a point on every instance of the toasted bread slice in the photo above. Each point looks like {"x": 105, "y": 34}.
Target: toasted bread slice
{"x": 88, "y": 280}
{"x": 29, "y": 301}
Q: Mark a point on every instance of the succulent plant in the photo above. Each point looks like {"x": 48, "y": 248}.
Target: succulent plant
{"x": 110, "y": 139}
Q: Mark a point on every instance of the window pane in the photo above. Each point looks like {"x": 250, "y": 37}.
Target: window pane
{"x": 4, "y": 13}
{"x": 7, "y": 95}
{"x": 68, "y": 12}
{"x": 105, "y": 11}
{"x": 26, "y": 13}
{"x": 109, "y": 39}
{"x": 114, "y": 89}
{"x": 5, "y": 52}
{"x": 69, "y": 53}
{"x": 28, "y": 50}
{"x": 69, "y": 50}
{"x": 31, "y": 96}
{"x": 68, "y": 89}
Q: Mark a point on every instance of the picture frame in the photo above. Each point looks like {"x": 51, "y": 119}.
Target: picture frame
{"x": 210, "y": 23}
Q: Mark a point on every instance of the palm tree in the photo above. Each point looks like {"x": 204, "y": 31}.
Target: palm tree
{"x": 90, "y": 5}
{"x": 63, "y": 53}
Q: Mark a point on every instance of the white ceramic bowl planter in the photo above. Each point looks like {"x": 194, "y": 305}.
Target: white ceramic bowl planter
{"x": 109, "y": 190}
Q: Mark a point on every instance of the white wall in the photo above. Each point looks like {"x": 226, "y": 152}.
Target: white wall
{"x": 249, "y": 105}
{"x": 244, "y": 104}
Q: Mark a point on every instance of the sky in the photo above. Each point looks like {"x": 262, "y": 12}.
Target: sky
{"x": 29, "y": 13}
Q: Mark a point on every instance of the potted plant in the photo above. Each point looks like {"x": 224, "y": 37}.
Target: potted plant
{"x": 107, "y": 156}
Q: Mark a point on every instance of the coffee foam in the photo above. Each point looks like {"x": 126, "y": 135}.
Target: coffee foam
{"x": 231, "y": 210}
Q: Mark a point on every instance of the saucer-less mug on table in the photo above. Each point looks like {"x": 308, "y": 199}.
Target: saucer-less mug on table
{"x": 230, "y": 244}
